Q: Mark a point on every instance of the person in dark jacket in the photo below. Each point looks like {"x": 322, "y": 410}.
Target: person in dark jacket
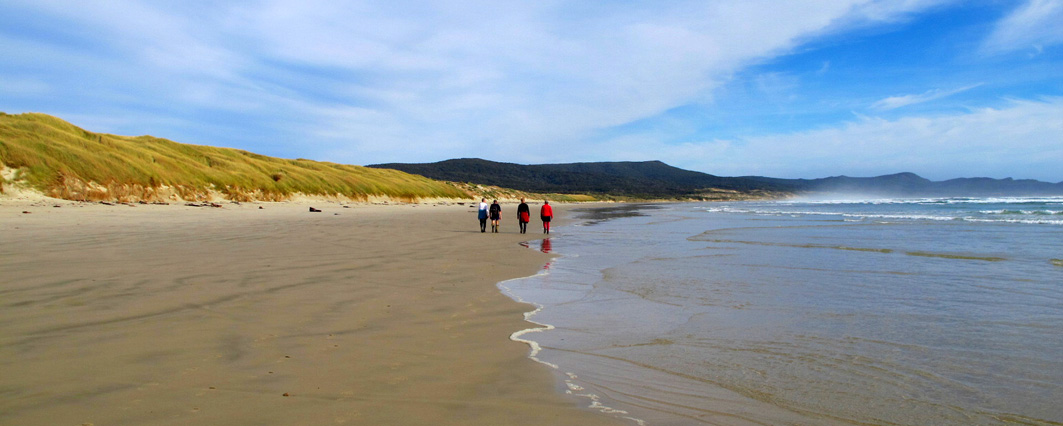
{"x": 523, "y": 216}
{"x": 496, "y": 215}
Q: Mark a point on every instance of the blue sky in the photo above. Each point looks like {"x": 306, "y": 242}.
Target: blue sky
{"x": 777, "y": 88}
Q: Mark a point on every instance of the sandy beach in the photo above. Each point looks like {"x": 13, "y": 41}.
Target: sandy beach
{"x": 158, "y": 315}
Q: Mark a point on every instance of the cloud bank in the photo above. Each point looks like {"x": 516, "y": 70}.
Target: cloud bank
{"x": 1035, "y": 25}
{"x": 1025, "y": 136}
{"x": 374, "y": 81}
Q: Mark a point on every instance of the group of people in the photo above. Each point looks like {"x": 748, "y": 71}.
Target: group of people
{"x": 493, "y": 212}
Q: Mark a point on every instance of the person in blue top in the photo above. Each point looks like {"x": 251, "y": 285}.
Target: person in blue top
{"x": 482, "y": 215}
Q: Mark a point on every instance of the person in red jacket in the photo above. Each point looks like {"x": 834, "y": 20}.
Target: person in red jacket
{"x": 546, "y": 214}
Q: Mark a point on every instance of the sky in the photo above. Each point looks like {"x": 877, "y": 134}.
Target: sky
{"x": 789, "y": 89}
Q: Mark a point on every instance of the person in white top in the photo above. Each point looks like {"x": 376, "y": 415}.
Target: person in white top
{"x": 482, "y": 215}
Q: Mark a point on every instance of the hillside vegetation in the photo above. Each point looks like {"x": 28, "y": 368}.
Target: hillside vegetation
{"x": 609, "y": 180}
{"x": 656, "y": 180}
{"x": 61, "y": 160}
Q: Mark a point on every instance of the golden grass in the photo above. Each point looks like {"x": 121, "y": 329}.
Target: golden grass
{"x": 498, "y": 193}
{"x": 64, "y": 161}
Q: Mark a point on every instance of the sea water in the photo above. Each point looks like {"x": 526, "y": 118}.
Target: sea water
{"x": 874, "y": 312}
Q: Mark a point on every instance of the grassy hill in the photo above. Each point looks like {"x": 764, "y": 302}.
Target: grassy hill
{"x": 61, "y": 160}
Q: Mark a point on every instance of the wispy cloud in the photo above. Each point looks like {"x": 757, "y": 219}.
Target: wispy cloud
{"x": 1025, "y": 138}
{"x": 378, "y": 81}
{"x": 441, "y": 73}
{"x": 1034, "y": 25}
{"x": 824, "y": 68}
{"x": 894, "y": 102}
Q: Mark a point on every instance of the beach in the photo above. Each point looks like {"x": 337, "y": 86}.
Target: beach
{"x": 258, "y": 314}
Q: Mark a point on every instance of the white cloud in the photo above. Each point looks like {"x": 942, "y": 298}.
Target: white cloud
{"x": 1034, "y": 25}
{"x": 538, "y": 79}
{"x": 1023, "y": 140}
{"x": 378, "y": 81}
{"x": 894, "y": 102}
{"x": 483, "y": 78}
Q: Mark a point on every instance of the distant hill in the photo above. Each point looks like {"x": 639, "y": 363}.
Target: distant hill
{"x": 47, "y": 154}
{"x": 654, "y": 179}
{"x": 648, "y": 179}
{"x": 912, "y": 185}
{"x": 61, "y": 160}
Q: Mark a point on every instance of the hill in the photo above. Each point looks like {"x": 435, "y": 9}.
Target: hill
{"x": 654, "y": 179}
{"x": 54, "y": 157}
{"x": 912, "y": 185}
{"x": 63, "y": 161}
{"x": 647, "y": 180}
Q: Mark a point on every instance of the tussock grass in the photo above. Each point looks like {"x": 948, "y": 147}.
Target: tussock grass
{"x": 64, "y": 161}
{"x": 492, "y": 192}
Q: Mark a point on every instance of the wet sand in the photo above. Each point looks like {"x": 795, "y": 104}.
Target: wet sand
{"x": 155, "y": 315}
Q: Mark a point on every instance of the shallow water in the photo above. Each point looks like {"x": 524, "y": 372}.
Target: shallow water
{"x": 886, "y": 312}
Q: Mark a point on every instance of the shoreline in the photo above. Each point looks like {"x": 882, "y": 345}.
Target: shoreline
{"x": 666, "y": 322}
{"x": 239, "y": 315}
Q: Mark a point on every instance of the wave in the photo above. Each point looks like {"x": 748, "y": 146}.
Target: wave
{"x": 1022, "y": 212}
{"x": 933, "y": 200}
{"x": 1029, "y": 217}
{"x": 1019, "y": 221}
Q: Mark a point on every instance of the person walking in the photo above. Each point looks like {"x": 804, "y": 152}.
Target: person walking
{"x": 523, "y": 216}
{"x": 496, "y": 215}
{"x": 482, "y": 215}
{"x": 546, "y": 214}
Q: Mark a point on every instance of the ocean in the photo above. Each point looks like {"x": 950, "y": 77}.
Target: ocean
{"x": 813, "y": 312}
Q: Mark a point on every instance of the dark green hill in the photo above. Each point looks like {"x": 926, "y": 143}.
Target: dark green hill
{"x": 654, "y": 179}
{"x": 647, "y": 179}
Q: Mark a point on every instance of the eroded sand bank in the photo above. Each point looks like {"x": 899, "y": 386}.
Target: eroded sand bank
{"x": 155, "y": 315}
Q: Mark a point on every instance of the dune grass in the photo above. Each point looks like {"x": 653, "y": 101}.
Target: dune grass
{"x": 64, "y": 161}
{"x": 491, "y": 192}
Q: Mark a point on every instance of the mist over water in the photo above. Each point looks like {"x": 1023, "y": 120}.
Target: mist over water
{"x": 882, "y": 312}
